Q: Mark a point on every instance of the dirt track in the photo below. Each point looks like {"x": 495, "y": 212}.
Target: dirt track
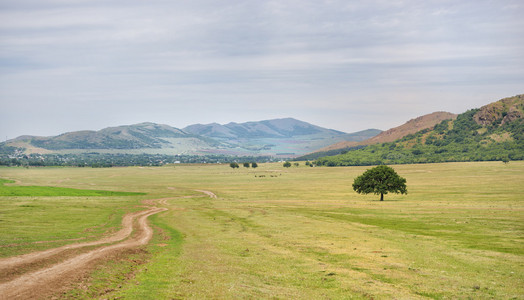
{"x": 37, "y": 283}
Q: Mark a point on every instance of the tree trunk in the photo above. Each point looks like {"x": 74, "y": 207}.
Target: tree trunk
{"x": 381, "y": 197}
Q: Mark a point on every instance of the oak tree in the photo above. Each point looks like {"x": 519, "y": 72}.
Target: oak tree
{"x": 380, "y": 180}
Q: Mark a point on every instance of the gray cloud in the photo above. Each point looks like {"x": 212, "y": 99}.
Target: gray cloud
{"x": 348, "y": 65}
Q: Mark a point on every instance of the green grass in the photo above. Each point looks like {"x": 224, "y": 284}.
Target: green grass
{"x": 49, "y": 191}
{"x": 40, "y": 217}
{"x": 157, "y": 279}
{"x": 303, "y": 233}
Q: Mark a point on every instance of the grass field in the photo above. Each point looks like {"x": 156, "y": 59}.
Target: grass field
{"x": 293, "y": 233}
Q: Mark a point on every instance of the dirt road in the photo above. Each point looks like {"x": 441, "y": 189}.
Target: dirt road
{"x": 37, "y": 283}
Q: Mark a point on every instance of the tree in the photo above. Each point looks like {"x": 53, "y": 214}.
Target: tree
{"x": 254, "y": 165}
{"x": 246, "y": 165}
{"x": 287, "y": 164}
{"x": 380, "y": 180}
{"x": 233, "y": 165}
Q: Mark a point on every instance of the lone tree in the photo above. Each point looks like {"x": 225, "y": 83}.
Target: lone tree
{"x": 233, "y": 165}
{"x": 380, "y": 180}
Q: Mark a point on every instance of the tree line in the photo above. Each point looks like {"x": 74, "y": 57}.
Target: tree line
{"x": 104, "y": 160}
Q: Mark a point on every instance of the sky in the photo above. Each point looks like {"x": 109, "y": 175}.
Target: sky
{"x": 68, "y": 65}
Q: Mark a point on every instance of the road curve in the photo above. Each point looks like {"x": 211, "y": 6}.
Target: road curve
{"x": 28, "y": 285}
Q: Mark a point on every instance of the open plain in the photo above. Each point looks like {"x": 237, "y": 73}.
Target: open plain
{"x": 269, "y": 232}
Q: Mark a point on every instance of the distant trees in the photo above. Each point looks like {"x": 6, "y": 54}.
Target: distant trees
{"x": 287, "y": 164}
{"x": 246, "y": 165}
{"x": 380, "y": 180}
{"x": 254, "y": 165}
{"x": 234, "y": 165}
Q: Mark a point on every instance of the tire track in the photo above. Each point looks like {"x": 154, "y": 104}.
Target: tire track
{"x": 7, "y": 264}
{"x": 34, "y": 284}
{"x": 29, "y": 284}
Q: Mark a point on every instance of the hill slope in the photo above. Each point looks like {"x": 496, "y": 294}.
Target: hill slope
{"x": 493, "y": 132}
{"x": 410, "y": 127}
{"x": 390, "y": 135}
{"x": 144, "y": 135}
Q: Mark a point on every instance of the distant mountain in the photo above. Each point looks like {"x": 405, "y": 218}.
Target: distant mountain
{"x": 286, "y": 137}
{"x": 492, "y": 132}
{"x": 144, "y": 135}
{"x": 277, "y": 128}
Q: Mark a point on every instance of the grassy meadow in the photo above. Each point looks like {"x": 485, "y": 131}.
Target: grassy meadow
{"x": 283, "y": 233}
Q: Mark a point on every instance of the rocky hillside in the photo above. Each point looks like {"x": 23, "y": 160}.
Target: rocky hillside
{"x": 501, "y": 112}
{"x": 492, "y": 132}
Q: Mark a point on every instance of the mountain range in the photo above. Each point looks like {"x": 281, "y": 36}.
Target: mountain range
{"x": 285, "y": 137}
{"x": 494, "y": 131}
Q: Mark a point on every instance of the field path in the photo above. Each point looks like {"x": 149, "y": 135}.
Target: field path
{"x": 36, "y": 283}
{"x": 210, "y": 194}
{"x": 10, "y": 263}
{"x": 32, "y": 284}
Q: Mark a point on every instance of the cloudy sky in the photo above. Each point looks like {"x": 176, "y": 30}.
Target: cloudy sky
{"x": 69, "y": 65}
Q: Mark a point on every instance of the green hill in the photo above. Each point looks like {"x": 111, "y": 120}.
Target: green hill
{"x": 492, "y": 132}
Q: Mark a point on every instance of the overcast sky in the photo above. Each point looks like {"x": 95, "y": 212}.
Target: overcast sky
{"x": 68, "y": 65}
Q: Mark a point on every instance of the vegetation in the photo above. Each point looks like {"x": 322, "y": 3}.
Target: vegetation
{"x": 234, "y": 165}
{"x": 287, "y": 164}
{"x": 320, "y": 154}
{"x": 457, "y": 235}
{"x": 380, "y": 180}
{"x": 450, "y": 141}
{"x": 15, "y": 157}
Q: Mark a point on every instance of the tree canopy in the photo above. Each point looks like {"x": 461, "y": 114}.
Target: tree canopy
{"x": 380, "y": 180}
